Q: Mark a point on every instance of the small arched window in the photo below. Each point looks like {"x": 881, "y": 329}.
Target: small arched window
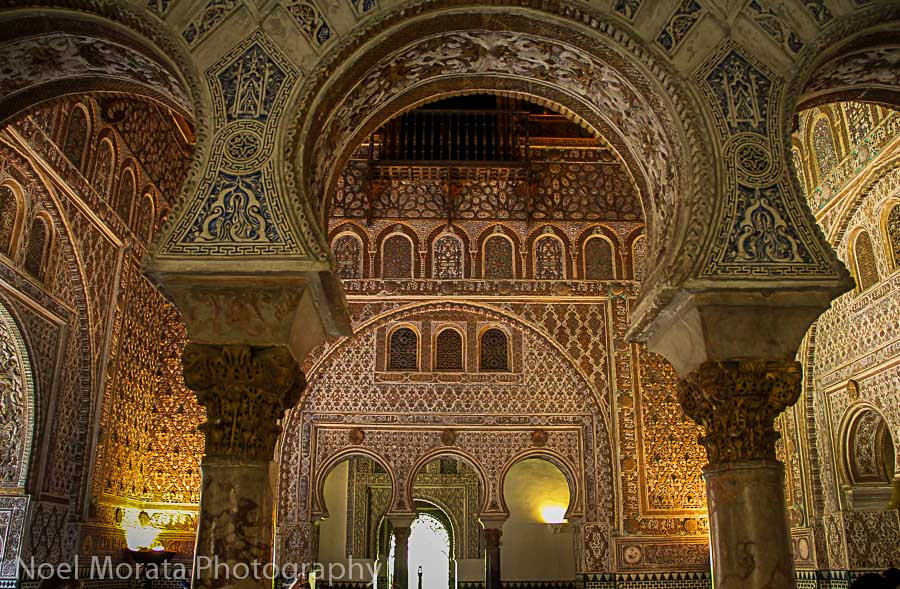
{"x": 396, "y": 257}
{"x": 892, "y": 229}
{"x": 348, "y": 256}
{"x": 10, "y": 218}
{"x": 448, "y": 352}
{"x": 823, "y": 144}
{"x": 125, "y": 196}
{"x": 76, "y": 137}
{"x": 447, "y": 258}
{"x": 864, "y": 260}
{"x": 548, "y": 259}
{"x": 38, "y": 246}
{"x": 498, "y": 258}
{"x": 143, "y": 221}
{"x": 103, "y": 169}
{"x": 494, "y": 351}
{"x": 403, "y": 350}
{"x": 639, "y": 257}
{"x": 598, "y": 259}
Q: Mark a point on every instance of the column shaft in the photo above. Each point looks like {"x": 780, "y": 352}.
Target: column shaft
{"x": 245, "y": 392}
{"x": 401, "y": 557}
{"x": 736, "y": 402}
{"x": 492, "y": 558}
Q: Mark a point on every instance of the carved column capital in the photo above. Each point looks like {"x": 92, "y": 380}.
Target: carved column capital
{"x": 245, "y": 391}
{"x": 736, "y": 402}
{"x": 492, "y": 537}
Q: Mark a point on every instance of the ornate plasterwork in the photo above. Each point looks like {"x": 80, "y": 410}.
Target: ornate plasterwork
{"x": 484, "y": 53}
{"x": 17, "y": 402}
{"x": 764, "y": 230}
{"x": 736, "y": 402}
{"x": 59, "y": 59}
{"x": 239, "y": 212}
{"x": 245, "y": 391}
{"x": 406, "y": 417}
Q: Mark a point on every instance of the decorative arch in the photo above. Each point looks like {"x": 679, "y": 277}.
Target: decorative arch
{"x": 868, "y": 456}
{"x": 568, "y": 470}
{"x": 854, "y": 63}
{"x": 599, "y": 256}
{"x": 17, "y": 398}
{"x": 105, "y": 166}
{"x": 88, "y": 52}
{"x": 12, "y": 215}
{"x": 865, "y": 268}
{"x": 549, "y": 256}
{"x": 144, "y": 215}
{"x": 448, "y": 256}
{"x": 318, "y": 500}
{"x": 77, "y": 136}
{"x": 823, "y": 144}
{"x": 448, "y": 452}
{"x": 494, "y": 354}
{"x": 341, "y": 109}
{"x": 638, "y": 256}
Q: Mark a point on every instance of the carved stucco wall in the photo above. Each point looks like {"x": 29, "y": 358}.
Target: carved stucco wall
{"x": 107, "y": 346}
{"x": 850, "y": 355}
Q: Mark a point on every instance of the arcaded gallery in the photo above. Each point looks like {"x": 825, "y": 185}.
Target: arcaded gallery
{"x": 449, "y": 294}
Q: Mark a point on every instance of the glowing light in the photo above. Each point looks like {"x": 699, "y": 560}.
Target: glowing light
{"x": 553, "y": 513}
{"x": 142, "y": 538}
{"x": 140, "y": 534}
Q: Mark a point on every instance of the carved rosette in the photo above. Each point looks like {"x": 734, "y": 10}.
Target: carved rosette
{"x": 246, "y": 391}
{"x": 736, "y": 402}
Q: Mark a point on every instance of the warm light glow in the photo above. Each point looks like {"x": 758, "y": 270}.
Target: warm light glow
{"x": 140, "y": 534}
{"x": 553, "y": 513}
{"x": 142, "y": 538}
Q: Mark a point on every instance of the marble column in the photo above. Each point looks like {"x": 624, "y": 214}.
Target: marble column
{"x": 737, "y": 402}
{"x": 245, "y": 391}
{"x": 492, "y": 557}
{"x": 401, "y": 556}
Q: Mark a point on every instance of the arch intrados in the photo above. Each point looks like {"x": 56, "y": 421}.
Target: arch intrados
{"x": 448, "y": 452}
{"x": 537, "y": 93}
{"x": 23, "y": 351}
{"x": 648, "y": 79}
{"x": 109, "y": 33}
{"x": 575, "y": 508}
{"x": 882, "y": 36}
{"x": 324, "y": 471}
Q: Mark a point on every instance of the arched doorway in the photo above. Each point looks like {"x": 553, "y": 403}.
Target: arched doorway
{"x": 430, "y": 549}
{"x": 538, "y": 543}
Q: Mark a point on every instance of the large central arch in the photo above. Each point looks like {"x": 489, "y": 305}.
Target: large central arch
{"x": 587, "y": 68}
